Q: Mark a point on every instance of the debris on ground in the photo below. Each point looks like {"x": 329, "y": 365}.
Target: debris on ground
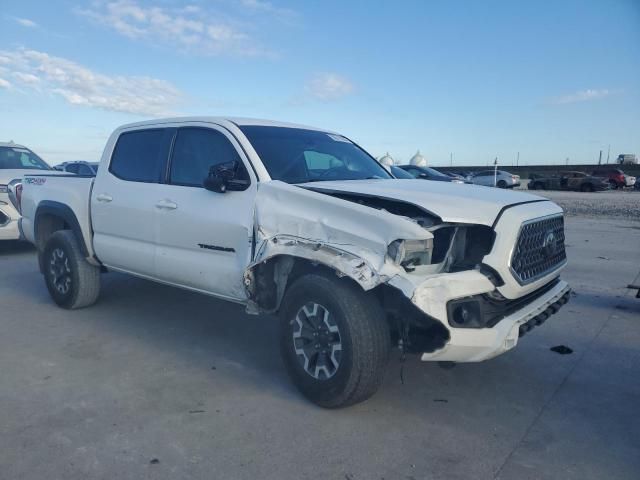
{"x": 561, "y": 349}
{"x": 154, "y": 461}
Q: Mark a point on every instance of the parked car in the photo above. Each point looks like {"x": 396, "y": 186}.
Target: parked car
{"x": 15, "y": 161}
{"x": 500, "y": 179}
{"x": 400, "y": 173}
{"x": 579, "y": 181}
{"x": 302, "y": 222}
{"x": 426, "y": 173}
{"x": 616, "y": 177}
{"x": 456, "y": 176}
{"x": 79, "y": 168}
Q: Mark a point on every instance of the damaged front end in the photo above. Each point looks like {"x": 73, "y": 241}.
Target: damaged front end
{"x": 385, "y": 246}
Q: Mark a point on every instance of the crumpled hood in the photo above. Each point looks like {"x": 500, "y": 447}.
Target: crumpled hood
{"x": 456, "y": 203}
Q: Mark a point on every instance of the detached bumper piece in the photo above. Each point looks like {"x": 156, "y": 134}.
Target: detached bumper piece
{"x": 541, "y": 318}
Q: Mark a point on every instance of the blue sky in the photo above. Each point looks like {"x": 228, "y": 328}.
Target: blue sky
{"x": 478, "y": 79}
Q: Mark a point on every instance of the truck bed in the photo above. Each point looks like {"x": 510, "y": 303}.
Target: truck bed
{"x": 71, "y": 193}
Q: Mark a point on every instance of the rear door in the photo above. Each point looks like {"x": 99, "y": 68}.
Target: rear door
{"x": 204, "y": 239}
{"x": 124, "y": 197}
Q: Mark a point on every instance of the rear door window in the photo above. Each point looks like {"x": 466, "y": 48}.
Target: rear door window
{"x": 141, "y": 155}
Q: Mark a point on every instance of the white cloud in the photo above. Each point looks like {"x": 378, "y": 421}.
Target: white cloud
{"x": 4, "y": 83}
{"x": 27, "y": 78}
{"x": 189, "y": 28}
{"x": 583, "y": 96}
{"x": 329, "y": 86}
{"x": 25, "y": 22}
{"x": 79, "y": 85}
{"x": 264, "y": 7}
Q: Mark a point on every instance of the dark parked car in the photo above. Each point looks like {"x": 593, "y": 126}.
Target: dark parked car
{"x": 427, "y": 173}
{"x": 79, "y": 168}
{"x": 579, "y": 181}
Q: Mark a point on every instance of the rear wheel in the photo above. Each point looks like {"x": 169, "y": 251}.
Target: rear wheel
{"x": 614, "y": 185}
{"x": 334, "y": 340}
{"x": 71, "y": 280}
{"x": 586, "y": 187}
{"x": 502, "y": 184}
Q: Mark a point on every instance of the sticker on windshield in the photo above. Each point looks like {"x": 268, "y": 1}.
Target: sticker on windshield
{"x": 338, "y": 138}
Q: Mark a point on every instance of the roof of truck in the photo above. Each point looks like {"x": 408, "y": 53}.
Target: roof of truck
{"x": 238, "y": 121}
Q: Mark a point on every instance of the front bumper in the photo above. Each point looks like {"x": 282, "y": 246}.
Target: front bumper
{"x": 478, "y": 344}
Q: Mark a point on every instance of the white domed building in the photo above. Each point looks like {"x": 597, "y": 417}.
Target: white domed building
{"x": 387, "y": 160}
{"x": 418, "y": 160}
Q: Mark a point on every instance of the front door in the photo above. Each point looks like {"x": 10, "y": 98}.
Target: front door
{"x": 204, "y": 239}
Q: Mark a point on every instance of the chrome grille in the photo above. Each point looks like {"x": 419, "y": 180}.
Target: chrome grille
{"x": 539, "y": 249}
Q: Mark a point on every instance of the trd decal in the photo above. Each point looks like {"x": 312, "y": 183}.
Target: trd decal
{"x": 35, "y": 180}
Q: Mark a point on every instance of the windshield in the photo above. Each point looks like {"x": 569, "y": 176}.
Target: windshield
{"x": 18, "y": 158}
{"x": 400, "y": 173}
{"x": 295, "y": 155}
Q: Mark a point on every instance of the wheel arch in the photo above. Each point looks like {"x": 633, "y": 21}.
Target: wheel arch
{"x": 51, "y": 217}
{"x": 267, "y": 281}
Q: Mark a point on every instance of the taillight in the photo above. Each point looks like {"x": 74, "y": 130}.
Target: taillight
{"x": 15, "y": 194}
{"x": 19, "y": 197}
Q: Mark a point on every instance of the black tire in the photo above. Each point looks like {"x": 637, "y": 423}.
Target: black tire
{"x": 538, "y": 186}
{"x": 586, "y": 187}
{"x": 502, "y": 184}
{"x": 363, "y": 334}
{"x": 71, "y": 280}
{"x": 614, "y": 185}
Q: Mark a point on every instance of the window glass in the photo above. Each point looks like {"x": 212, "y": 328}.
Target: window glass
{"x": 196, "y": 150}
{"x": 400, "y": 173}
{"x": 73, "y": 168}
{"x": 84, "y": 170}
{"x": 20, "y": 158}
{"x": 140, "y": 156}
{"x": 296, "y": 155}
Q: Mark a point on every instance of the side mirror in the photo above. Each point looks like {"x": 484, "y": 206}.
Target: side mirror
{"x": 223, "y": 177}
{"x": 423, "y": 175}
{"x": 215, "y": 184}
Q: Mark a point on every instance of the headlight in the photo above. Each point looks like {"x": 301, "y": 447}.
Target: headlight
{"x": 411, "y": 253}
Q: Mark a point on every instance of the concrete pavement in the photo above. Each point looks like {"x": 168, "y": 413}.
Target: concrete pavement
{"x": 154, "y": 382}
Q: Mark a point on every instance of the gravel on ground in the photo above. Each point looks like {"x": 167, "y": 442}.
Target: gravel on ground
{"x": 614, "y": 204}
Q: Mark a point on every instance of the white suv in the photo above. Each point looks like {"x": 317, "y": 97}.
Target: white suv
{"x": 15, "y": 161}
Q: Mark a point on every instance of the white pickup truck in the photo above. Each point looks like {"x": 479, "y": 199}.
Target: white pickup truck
{"x": 303, "y": 222}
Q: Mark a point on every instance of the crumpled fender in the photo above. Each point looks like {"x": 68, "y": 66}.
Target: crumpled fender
{"x": 346, "y": 236}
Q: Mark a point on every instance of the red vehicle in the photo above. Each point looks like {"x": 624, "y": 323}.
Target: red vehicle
{"x": 614, "y": 176}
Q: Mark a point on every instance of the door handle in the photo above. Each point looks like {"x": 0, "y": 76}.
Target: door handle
{"x": 103, "y": 197}
{"x": 167, "y": 205}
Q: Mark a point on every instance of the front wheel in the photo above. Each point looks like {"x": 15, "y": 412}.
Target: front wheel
{"x": 334, "y": 340}
{"x": 71, "y": 280}
{"x": 587, "y": 187}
